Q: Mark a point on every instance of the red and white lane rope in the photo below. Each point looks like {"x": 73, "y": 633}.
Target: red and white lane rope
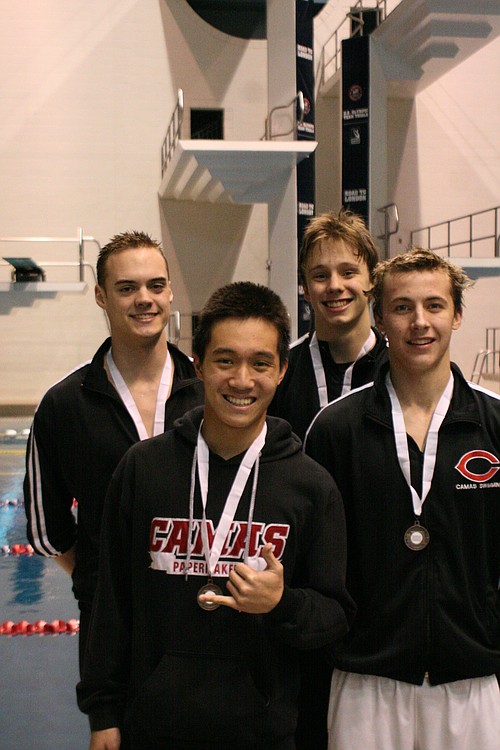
{"x": 17, "y": 549}
{"x": 40, "y": 627}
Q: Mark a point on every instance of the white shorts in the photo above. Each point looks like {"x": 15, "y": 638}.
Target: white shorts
{"x": 376, "y": 713}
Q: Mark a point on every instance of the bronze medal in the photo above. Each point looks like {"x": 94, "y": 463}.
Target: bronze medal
{"x": 209, "y": 588}
{"x": 417, "y": 537}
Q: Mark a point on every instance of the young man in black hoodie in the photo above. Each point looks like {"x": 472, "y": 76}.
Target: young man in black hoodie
{"x": 222, "y": 554}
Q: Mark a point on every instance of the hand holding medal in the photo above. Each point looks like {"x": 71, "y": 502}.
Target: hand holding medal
{"x": 254, "y": 592}
{"x": 210, "y": 595}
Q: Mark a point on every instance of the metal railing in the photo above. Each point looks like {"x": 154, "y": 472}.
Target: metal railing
{"x": 269, "y": 135}
{"x": 493, "y": 338}
{"x": 174, "y": 327}
{"x": 491, "y": 360}
{"x": 331, "y": 52}
{"x": 174, "y": 127}
{"x": 487, "y": 361}
{"x": 463, "y": 234}
{"x": 173, "y": 132}
{"x": 390, "y": 211}
{"x": 481, "y": 365}
{"x": 185, "y": 325}
{"x": 81, "y": 264}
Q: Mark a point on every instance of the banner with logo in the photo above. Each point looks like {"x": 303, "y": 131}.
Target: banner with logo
{"x": 355, "y": 124}
{"x": 304, "y": 15}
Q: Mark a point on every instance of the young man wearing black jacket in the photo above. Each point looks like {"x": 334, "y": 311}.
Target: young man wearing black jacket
{"x": 416, "y": 457}
{"x": 222, "y": 554}
{"x": 136, "y": 385}
{"x": 337, "y": 259}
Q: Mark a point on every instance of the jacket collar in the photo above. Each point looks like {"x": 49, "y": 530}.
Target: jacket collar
{"x": 463, "y": 406}
{"x": 96, "y": 379}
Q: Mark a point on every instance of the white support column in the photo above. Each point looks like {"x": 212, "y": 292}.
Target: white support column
{"x": 282, "y": 229}
{"x": 281, "y": 58}
{"x": 282, "y": 219}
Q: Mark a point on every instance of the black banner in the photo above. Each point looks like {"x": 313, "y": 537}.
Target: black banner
{"x": 304, "y": 15}
{"x": 305, "y": 66}
{"x": 355, "y": 121}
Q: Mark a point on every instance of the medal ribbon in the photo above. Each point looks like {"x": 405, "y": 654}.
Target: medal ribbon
{"x": 201, "y": 461}
{"x": 319, "y": 372}
{"x": 130, "y": 405}
{"x": 431, "y": 444}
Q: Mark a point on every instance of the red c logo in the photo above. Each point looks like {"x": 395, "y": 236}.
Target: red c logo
{"x": 485, "y": 456}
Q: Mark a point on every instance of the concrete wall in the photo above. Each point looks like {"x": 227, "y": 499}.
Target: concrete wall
{"x": 444, "y": 162}
{"x": 88, "y": 88}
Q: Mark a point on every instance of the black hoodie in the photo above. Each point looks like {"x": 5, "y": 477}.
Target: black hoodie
{"x": 160, "y": 666}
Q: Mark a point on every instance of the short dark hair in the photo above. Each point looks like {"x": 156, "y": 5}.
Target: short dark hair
{"x": 346, "y": 226}
{"x": 243, "y": 300}
{"x": 419, "y": 259}
{"x": 121, "y": 242}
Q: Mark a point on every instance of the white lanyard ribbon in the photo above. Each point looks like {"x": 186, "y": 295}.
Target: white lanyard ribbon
{"x": 431, "y": 444}
{"x": 250, "y": 458}
{"x": 319, "y": 371}
{"x": 130, "y": 405}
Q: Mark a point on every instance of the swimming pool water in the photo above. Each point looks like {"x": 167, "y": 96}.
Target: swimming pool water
{"x": 38, "y": 673}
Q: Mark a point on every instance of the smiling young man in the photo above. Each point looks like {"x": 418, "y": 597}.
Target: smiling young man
{"x": 135, "y": 387}
{"x": 337, "y": 259}
{"x": 223, "y": 553}
{"x": 415, "y": 455}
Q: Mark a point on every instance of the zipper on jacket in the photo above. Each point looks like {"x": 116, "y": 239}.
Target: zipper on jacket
{"x": 427, "y": 607}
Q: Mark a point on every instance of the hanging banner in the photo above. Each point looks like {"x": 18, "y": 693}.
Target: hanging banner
{"x": 304, "y": 16}
{"x": 355, "y": 124}
{"x": 305, "y": 66}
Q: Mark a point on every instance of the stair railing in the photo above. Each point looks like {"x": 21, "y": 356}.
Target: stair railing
{"x": 173, "y": 132}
